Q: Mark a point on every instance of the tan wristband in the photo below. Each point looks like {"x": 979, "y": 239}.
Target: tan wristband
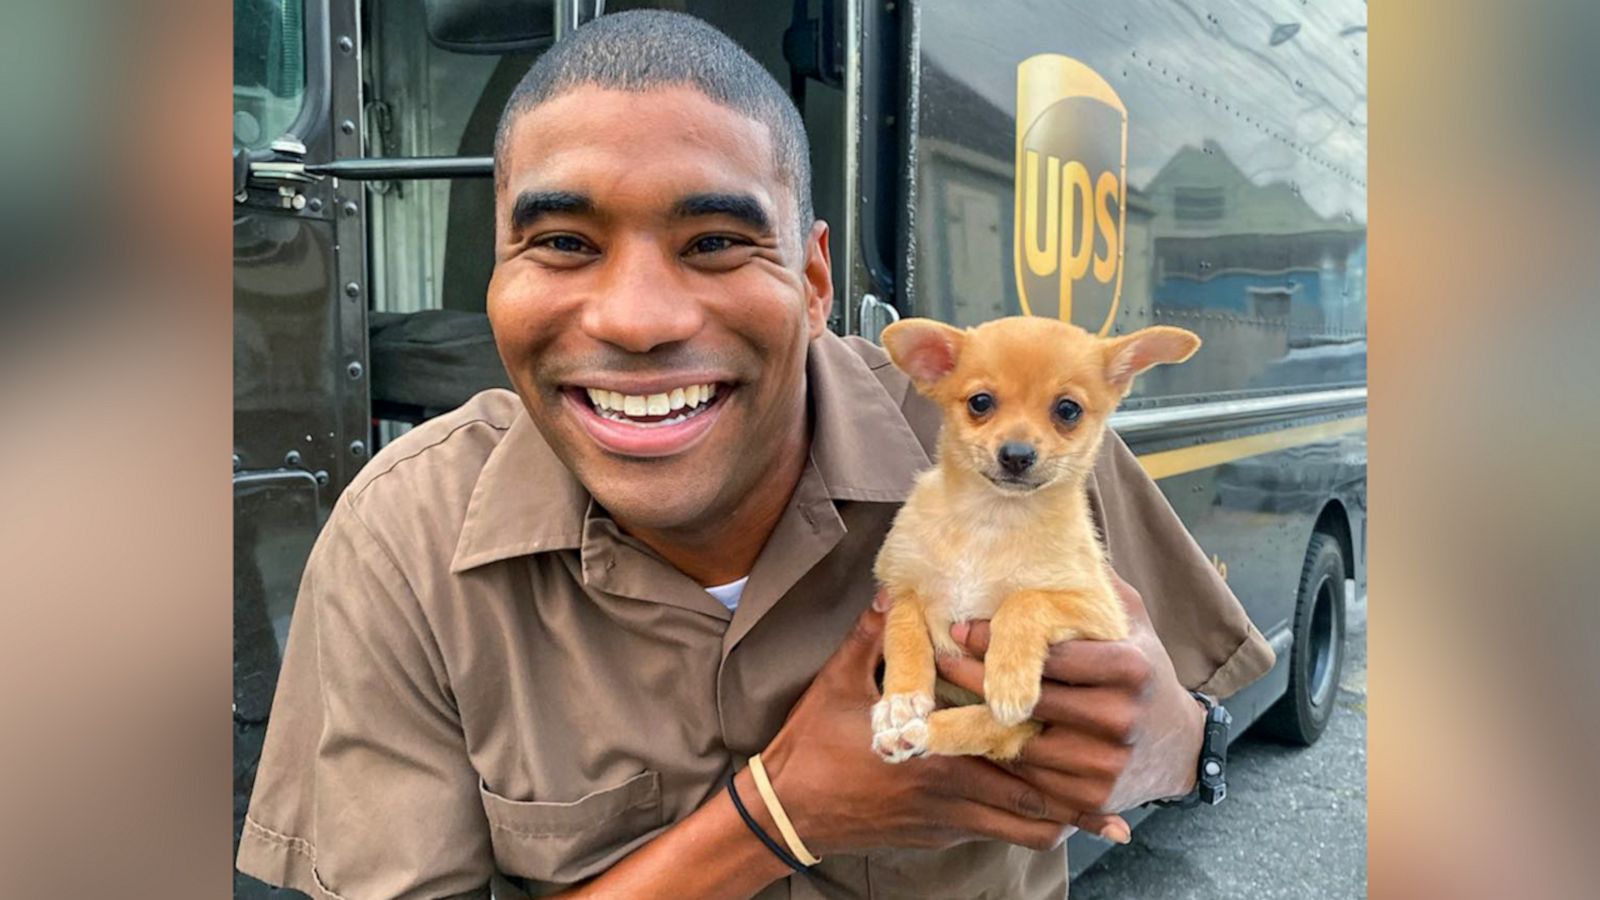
{"x": 785, "y": 827}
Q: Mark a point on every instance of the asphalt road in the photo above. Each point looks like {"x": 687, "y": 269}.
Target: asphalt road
{"x": 1294, "y": 825}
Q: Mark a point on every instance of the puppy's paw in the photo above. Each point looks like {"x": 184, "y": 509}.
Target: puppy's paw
{"x": 900, "y": 726}
{"x": 1011, "y": 696}
{"x": 900, "y": 744}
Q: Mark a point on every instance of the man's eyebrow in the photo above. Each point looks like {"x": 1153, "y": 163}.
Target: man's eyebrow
{"x": 743, "y": 207}
{"x": 531, "y": 206}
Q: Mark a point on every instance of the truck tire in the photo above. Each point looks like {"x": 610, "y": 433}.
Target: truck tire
{"x": 1317, "y": 657}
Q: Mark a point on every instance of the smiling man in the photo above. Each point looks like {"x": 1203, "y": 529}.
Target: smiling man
{"x": 538, "y": 633}
{"x": 658, "y": 281}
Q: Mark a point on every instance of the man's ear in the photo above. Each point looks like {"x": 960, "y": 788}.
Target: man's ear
{"x": 819, "y": 279}
{"x": 925, "y": 349}
{"x": 1131, "y": 354}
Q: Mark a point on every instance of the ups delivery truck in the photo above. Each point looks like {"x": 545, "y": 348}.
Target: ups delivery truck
{"x": 1113, "y": 164}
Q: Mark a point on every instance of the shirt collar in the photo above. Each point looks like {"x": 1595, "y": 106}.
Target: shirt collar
{"x": 860, "y": 440}
{"x": 526, "y": 500}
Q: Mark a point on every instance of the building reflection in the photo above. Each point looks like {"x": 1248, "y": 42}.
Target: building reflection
{"x": 1274, "y": 288}
{"x": 1276, "y": 291}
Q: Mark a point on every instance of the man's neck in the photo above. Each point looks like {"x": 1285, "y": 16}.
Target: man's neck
{"x": 726, "y": 550}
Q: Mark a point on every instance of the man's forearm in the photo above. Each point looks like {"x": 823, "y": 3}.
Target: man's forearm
{"x": 709, "y": 854}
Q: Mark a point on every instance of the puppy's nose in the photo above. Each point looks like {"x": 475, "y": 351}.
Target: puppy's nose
{"x": 1016, "y": 457}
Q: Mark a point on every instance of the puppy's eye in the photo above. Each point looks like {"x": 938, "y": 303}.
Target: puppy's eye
{"x": 978, "y": 404}
{"x": 1068, "y": 410}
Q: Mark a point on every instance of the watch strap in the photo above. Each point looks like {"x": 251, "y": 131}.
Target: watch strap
{"x": 1211, "y": 782}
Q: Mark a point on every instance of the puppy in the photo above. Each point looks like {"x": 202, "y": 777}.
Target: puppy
{"x": 1000, "y": 528}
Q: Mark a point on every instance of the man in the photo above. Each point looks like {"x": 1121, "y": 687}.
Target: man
{"x": 538, "y": 632}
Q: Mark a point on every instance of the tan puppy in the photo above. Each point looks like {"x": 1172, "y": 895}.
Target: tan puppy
{"x": 1000, "y": 528}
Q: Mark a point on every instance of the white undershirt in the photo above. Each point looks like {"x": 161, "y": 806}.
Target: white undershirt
{"x": 728, "y": 594}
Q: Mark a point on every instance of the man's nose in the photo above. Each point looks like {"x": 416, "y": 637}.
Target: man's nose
{"x": 1016, "y": 457}
{"x": 641, "y": 303}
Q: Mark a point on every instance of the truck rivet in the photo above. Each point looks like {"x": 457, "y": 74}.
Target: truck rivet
{"x": 322, "y": 476}
{"x": 358, "y": 448}
{"x": 350, "y": 208}
{"x": 347, "y": 126}
{"x": 352, "y": 290}
{"x": 345, "y": 44}
{"x": 354, "y": 369}
{"x": 292, "y": 458}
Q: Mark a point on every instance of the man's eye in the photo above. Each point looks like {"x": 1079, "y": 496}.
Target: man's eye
{"x": 564, "y": 243}
{"x": 713, "y": 243}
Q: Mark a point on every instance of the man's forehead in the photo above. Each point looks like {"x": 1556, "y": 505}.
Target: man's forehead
{"x": 605, "y": 143}
{"x": 595, "y": 122}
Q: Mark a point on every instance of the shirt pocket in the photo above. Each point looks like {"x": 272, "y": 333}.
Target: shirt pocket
{"x": 565, "y": 842}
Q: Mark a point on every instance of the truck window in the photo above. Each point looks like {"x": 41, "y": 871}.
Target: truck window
{"x": 269, "y": 69}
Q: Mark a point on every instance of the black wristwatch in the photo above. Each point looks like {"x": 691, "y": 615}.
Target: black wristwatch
{"x": 1211, "y": 781}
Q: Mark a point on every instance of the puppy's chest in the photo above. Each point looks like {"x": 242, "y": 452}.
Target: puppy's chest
{"x": 969, "y": 578}
{"x": 968, "y": 590}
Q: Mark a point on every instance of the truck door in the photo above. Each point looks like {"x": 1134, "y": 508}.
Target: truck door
{"x": 301, "y": 421}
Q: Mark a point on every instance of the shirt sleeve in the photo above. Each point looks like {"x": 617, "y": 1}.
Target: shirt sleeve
{"x": 365, "y": 788}
{"x": 1213, "y": 644}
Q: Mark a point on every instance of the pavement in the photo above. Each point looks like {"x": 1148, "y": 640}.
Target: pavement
{"x": 1293, "y": 827}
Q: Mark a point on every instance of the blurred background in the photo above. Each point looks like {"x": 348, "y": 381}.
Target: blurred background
{"x": 116, "y": 386}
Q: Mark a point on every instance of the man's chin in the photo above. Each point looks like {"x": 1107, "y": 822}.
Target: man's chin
{"x": 685, "y": 490}
{"x": 669, "y": 506}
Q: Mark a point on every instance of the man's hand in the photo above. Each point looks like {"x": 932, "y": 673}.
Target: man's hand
{"x": 1119, "y": 728}
{"x": 844, "y": 799}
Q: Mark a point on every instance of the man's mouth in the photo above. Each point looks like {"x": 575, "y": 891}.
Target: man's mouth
{"x": 655, "y": 423}
{"x": 652, "y": 410}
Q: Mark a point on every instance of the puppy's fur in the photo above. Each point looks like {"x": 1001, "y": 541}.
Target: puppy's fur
{"x": 977, "y": 540}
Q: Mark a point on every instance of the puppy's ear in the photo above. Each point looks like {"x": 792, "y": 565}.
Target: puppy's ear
{"x": 925, "y": 349}
{"x": 1131, "y": 354}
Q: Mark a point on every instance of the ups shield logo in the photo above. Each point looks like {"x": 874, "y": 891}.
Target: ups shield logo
{"x": 1071, "y": 192}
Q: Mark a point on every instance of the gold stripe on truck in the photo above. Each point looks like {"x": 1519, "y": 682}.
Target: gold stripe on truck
{"x": 1168, "y": 463}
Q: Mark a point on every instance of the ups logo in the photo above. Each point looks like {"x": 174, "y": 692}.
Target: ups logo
{"x": 1071, "y": 192}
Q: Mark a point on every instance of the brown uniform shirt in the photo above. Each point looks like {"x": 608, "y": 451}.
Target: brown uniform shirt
{"x": 487, "y": 681}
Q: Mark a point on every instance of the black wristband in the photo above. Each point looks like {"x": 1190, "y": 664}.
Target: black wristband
{"x": 1211, "y": 783}
{"x": 777, "y": 850}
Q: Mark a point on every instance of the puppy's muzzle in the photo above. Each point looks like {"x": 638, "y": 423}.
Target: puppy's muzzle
{"x": 1016, "y": 457}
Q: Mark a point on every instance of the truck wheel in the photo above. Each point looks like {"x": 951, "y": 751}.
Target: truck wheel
{"x": 1317, "y": 657}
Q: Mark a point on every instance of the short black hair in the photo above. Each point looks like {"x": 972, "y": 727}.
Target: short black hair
{"x": 640, "y": 50}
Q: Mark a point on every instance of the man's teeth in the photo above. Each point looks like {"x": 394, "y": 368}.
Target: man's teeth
{"x": 622, "y": 407}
